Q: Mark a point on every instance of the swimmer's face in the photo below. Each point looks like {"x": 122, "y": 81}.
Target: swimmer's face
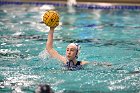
{"x": 71, "y": 51}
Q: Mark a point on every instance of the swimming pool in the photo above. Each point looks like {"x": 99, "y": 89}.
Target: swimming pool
{"x": 104, "y": 35}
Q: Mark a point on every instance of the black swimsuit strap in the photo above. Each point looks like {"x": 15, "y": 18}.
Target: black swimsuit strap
{"x": 78, "y": 63}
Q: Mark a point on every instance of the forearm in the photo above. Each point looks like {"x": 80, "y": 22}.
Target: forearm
{"x": 49, "y": 44}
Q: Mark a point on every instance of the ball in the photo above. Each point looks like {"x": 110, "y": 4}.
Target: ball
{"x": 51, "y": 18}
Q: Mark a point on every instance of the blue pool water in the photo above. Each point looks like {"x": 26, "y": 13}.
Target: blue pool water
{"x": 104, "y": 35}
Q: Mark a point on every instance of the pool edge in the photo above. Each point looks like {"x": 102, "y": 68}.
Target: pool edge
{"x": 87, "y": 5}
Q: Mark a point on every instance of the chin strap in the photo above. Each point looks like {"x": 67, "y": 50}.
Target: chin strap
{"x": 69, "y": 63}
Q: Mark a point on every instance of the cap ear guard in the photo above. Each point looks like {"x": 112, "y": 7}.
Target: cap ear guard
{"x": 77, "y": 49}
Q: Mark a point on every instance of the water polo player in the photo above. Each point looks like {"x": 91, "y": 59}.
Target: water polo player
{"x": 51, "y": 19}
{"x": 72, "y": 50}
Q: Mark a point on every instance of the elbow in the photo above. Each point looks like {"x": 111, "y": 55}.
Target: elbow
{"x": 48, "y": 48}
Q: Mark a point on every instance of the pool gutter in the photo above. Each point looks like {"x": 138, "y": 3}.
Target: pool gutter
{"x": 88, "y": 5}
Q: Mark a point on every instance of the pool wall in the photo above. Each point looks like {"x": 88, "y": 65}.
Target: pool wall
{"x": 87, "y": 5}
{"x": 105, "y": 1}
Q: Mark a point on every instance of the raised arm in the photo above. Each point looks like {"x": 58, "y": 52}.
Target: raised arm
{"x": 50, "y": 49}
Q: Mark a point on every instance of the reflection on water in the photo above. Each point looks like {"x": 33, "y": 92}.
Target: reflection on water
{"x": 70, "y": 5}
{"x": 105, "y": 36}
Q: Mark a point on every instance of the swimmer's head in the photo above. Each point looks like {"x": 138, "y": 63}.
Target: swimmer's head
{"x": 44, "y": 89}
{"x": 72, "y": 51}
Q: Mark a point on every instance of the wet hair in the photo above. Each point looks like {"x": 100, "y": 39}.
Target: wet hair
{"x": 44, "y": 89}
